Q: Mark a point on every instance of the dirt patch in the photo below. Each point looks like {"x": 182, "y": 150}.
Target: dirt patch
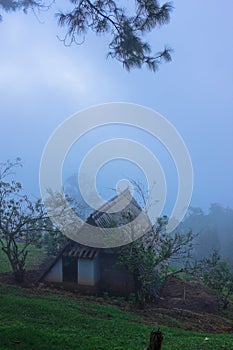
{"x": 192, "y": 296}
{"x": 188, "y": 320}
{"x": 185, "y": 305}
{"x": 190, "y": 306}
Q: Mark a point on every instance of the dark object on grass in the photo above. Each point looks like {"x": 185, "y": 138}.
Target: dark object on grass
{"x": 156, "y": 338}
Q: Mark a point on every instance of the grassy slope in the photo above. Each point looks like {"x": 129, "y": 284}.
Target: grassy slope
{"x": 34, "y": 255}
{"x": 54, "y": 322}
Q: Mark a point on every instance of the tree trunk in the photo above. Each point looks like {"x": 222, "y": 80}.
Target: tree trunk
{"x": 140, "y": 302}
{"x": 16, "y": 263}
{"x": 19, "y": 275}
{"x": 156, "y": 338}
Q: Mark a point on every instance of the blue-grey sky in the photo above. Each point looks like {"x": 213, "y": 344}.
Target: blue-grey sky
{"x": 43, "y": 82}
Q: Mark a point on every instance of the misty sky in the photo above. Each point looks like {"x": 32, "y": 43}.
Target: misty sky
{"x": 43, "y": 82}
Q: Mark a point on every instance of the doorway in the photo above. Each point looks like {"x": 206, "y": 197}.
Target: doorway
{"x": 70, "y": 269}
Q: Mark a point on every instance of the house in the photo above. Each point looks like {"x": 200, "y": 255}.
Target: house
{"x": 89, "y": 270}
{"x": 92, "y": 269}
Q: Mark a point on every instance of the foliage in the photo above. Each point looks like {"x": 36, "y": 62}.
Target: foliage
{"x": 140, "y": 263}
{"x": 30, "y": 321}
{"x": 216, "y": 274}
{"x": 24, "y": 5}
{"x": 148, "y": 258}
{"x": 126, "y": 29}
{"x": 54, "y": 241}
{"x": 20, "y": 219}
{"x": 126, "y": 24}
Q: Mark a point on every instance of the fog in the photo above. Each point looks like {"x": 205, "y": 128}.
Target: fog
{"x": 214, "y": 229}
{"x": 43, "y": 82}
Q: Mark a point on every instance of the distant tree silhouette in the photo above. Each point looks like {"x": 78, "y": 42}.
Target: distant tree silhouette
{"x": 214, "y": 228}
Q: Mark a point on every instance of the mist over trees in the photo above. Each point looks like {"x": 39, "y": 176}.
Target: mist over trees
{"x": 215, "y": 230}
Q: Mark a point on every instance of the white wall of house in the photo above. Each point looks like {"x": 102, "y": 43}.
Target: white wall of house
{"x": 88, "y": 273}
{"x": 55, "y": 274}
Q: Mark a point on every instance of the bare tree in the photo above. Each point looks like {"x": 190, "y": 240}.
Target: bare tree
{"x": 20, "y": 219}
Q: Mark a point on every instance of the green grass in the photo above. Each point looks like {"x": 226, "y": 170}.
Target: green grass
{"x": 34, "y": 256}
{"x": 35, "y": 322}
{"x": 182, "y": 275}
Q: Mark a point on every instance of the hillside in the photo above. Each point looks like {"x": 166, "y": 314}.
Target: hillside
{"x": 198, "y": 311}
{"x": 42, "y": 320}
{"x": 190, "y": 305}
